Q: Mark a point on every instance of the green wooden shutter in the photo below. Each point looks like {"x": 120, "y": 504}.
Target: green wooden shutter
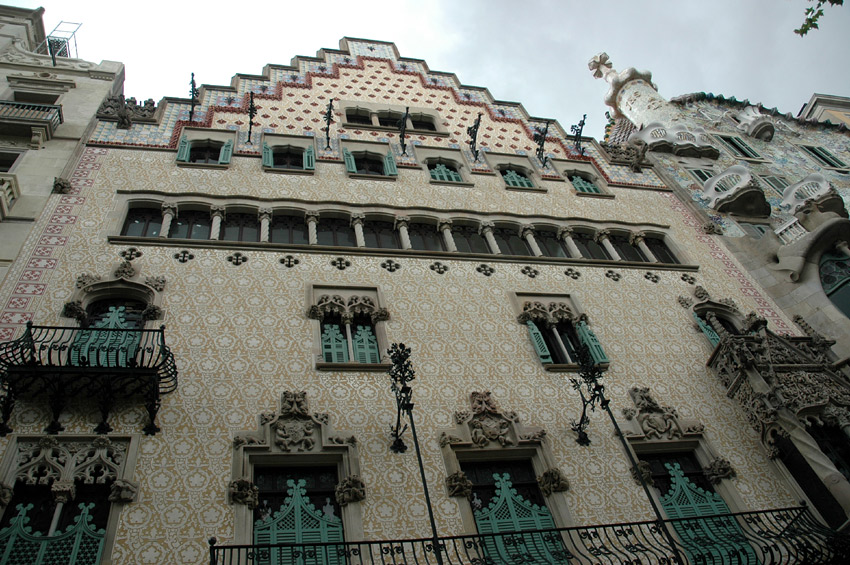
{"x": 707, "y": 330}
{"x": 334, "y": 344}
{"x": 716, "y": 540}
{"x": 268, "y": 158}
{"x": 588, "y": 338}
{"x": 442, "y": 172}
{"x": 539, "y": 343}
{"x": 513, "y": 178}
{"x": 389, "y": 164}
{"x": 226, "y": 153}
{"x": 365, "y": 346}
{"x": 309, "y": 159}
{"x": 183, "y": 149}
{"x": 509, "y": 512}
{"x": 584, "y": 185}
{"x": 298, "y": 521}
{"x": 106, "y": 348}
{"x": 350, "y": 165}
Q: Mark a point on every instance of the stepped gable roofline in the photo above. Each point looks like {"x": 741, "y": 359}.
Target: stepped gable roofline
{"x": 732, "y": 101}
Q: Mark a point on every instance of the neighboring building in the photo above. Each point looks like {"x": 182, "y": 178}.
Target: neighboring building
{"x": 827, "y": 108}
{"x": 283, "y": 266}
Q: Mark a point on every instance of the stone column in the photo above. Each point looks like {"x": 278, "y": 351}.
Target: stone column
{"x": 486, "y": 230}
{"x": 637, "y": 238}
{"x": 445, "y": 227}
{"x": 401, "y": 223}
{"x": 347, "y": 318}
{"x": 63, "y": 493}
{"x": 312, "y": 219}
{"x": 526, "y": 232}
{"x": 357, "y": 222}
{"x": 602, "y": 237}
{"x": 265, "y": 219}
{"x": 566, "y": 234}
{"x": 169, "y": 211}
{"x": 217, "y": 214}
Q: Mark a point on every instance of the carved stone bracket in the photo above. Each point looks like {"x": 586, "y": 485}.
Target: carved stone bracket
{"x": 243, "y": 491}
{"x": 6, "y": 493}
{"x": 61, "y": 186}
{"x": 645, "y": 473}
{"x": 553, "y": 480}
{"x": 459, "y": 485}
{"x": 652, "y": 421}
{"x": 487, "y": 426}
{"x": 718, "y": 470}
{"x": 124, "y": 491}
{"x": 350, "y": 489}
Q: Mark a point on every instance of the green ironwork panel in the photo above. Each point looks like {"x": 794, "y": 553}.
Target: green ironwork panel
{"x": 268, "y": 157}
{"x": 509, "y": 512}
{"x": 106, "y": 348}
{"x": 834, "y": 271}
{"x": 539, "y": 343}
{"x": 513, "y": 178}
{"x": 442, "y": 172}
{"x": 584, "y": 185}
{"x": 716, "y": 540}
{"x": 589, "y": 339}
{"x": 309, "y": 159}
{"x": 365, "y": 345}
{"x": 226, "y": 153}
{"x": 334, "y": 344}
{"x": 183, "y": 149}
{"x": 389, "y": 164}
{"x": 79, "y": 544}
{"x": 298, "y": 521}
{"x": 350, "y": 165}
{"x": 707, "y": 330}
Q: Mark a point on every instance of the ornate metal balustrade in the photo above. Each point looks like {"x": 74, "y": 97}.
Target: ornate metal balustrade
{"x": 60, "y": 363}
{"x": 21, "y": 116}
{"x": 784, "y": 536}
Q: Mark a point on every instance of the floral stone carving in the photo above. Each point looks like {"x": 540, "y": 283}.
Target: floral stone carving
{"x": 350, "y": 489}
{"x": 486, "y": 425}
{"x": 654, "y": 421}
{"x": 551, "y": 481}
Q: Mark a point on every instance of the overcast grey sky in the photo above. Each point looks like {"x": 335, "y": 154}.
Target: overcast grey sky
{"x": 529, "y": 51}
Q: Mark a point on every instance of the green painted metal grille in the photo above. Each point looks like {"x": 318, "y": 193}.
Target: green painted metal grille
{"x": 107, "y": 348}
{"x": 443, "y": 173}
{"x": 584, "y": 185}
{"x": 519, "y": 180}
{"x": 80, "y": 544}
{"x": 707, "y": 330}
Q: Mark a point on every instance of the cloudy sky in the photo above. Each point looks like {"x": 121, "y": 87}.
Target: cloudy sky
{"x": 529, "y": 51}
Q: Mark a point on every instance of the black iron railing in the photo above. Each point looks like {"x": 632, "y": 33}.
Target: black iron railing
{"x": 58, "y": 363}
{"x": 50, "y": 114}
{"x": 784, "y": 536}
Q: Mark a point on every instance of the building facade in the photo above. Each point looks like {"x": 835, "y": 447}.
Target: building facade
{"x": 213, "y": 301}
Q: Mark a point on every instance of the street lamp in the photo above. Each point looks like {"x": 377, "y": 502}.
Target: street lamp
{"x": 401, "y": 373}
{"x": 592, "y": 391}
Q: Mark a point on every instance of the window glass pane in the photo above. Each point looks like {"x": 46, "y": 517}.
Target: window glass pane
{"x": 288, "y": 158}
{"x": 288, "y": 229}
{"x": 200, "y": 229}
{"x": 368, "y": 165}
{"x": 549, "y": 244}
{"x": 192, "y": 225}
{"x": 627, "y": 251}
{"x": 589, "y": 248}
{"x": 510, "y": 243}
{"x": 660, "y": 250}
{"x": 468, "y": 240}
{"x": 271, "y": 482}
{"x": 425, "y": 237}
{"x": 381, "y": 235}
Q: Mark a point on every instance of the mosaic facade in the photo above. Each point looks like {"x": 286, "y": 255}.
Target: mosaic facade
{"x": 241, "y": 323}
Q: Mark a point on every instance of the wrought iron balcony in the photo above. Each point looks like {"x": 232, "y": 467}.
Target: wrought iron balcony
{"x": 786, "y": 536}
{"x": 60, "y": 363}
{"x": 18, "y": 118}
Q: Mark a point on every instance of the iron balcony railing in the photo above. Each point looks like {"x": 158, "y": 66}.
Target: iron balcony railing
{"x": 25, "y": 112}
{"x": 784, "y": 536}
{"x": 104, "y": 364}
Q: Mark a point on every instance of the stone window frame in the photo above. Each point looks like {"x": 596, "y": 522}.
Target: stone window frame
{"x": 124, "y": 489}
{"x": 264, "y": 446}
{"x": 273, "y": 141}
{"x": 730, "y": 143}
{"x": 829, "y": 161}
{"x": 455, "y": 157}
{"x": 586, "y": 171}
{"x": 499, "y": 162}
{"x": 368, "y": 148}
{"x": 190, "y": 136}
{"x": 376, "y": 310}
{"x": 568, "y": 310}
{"x": 698, "y": 172}
{"x": 374, "y": 109}
{"x": 15, "y": 162}
{"x": 516, "y": 441}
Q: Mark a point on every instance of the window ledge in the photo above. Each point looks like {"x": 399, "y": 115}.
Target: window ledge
{"x": 570, "y": 367}
{"x": 288, "y": 171}
{"x": 370, "y": 177}
{"x": 452, "y": 183}
{"x": 409, "y": 131}
{"x": 526, "y": 189}
{"x": 202, "y": 165}
{"x": 594, "y": 194}
{"x": 840, "y": 170}
{"x": 354, "y": 367}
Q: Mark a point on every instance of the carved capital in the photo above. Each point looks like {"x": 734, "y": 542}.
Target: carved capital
{"x": 264, "y": 214}
{"x": 243, "y": 491}
{"x": 602, "y": 235}
{"x": 123, "y": 491}
{"x": 311, "y": 216}
{"x": 637, "y": 237}
{"x": 553, "y": 480}
{"x": 350, "y": 489}
{"x": 61, "y": 186}
{"x": 6, "y": 493}
{"x": 74, "y": 309}
{"x": 217, "y": 211}
{"x": 358, "y": 219}
{"x": 526, "y": 229}
{"x": 63, "y": 491}
{"x": 169, "y": 208}
{"x": 444, "y": 225}
{"x": 565, "y": 232}
{"x": 486, "y": 227}
{"x": 643, "y": 471}
{"x": 458, "y": 485}
{"x": 402, "y": 221}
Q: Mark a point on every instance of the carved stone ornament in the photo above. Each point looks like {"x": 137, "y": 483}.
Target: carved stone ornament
{"x": 685, "y": 302}
{"x": 458, "y": 485}
{"x": 644, "y": 471}
{"x": 546, "y": 314}
{"x": 718, "y": 470}
{"x": 152, "y": 312}
{"x": 123, "y": 491}
{"x": 294, "y": 429}
{"x": 712, "y": 228}
{"x": 126, "y": 111}
{"x": 86, "y": 279}
{"x": 61, "y": 186}
{"x": 632, "y": 155}
{"x": 487, "y": 426}
{"x": 355, "y": 305}
{"x": 652, "y": 421}
{"x": 74, "y": 309}
{"x": 6, "y": 493}
{"x": 63, "y": 491}
{"x": 243, "y": 491}
{"x": 701, "y": 294}
{"x": 350, "y": 489}
{"x": 553, "y": 480}
{"x": 125, "y": 271}
{"x": 677, "y": 139}
{"x": 156, "y": 283}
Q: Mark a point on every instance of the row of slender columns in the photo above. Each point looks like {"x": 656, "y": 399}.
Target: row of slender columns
{"x": 526, "y": 232}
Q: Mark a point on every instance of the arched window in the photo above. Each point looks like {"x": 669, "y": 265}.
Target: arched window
{"x": 422, "y": 122}
{"x": 390, "y": 119}
{"x": 358, "y": 116}
{"x": 444, "y": 171}
{"x": 205, "y": 152}
{"x": 240, "y": 227}
{"x": 191, "y": 225}
{"x": 550, "y": 244}
{"x": 331, "y": 231}
{"x": 660, "y": 250}
{"x": 468, "y": 240}
{"x": 626, "y": 250}
{"x": 516, "y": 177}
{"x": 510, "y": 243}
{"x": 366, "y": 163}
{"x": 584, "y": 184}
{"x": 834, "y": 275}
{"x": 425, "y": 237}
{"x": 288, "y": 229}
{"x": 589, "y": 247}
{"x": 143, "y": 222}
{"x": 381, "y": 235}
